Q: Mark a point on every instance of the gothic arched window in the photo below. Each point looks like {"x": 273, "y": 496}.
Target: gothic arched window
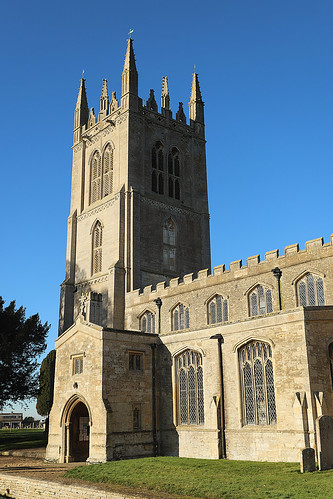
{"x": 96, "y": 177}
{"x": 108, "y": 171}
{"x": 180, "y": 317}
{"x": 190, "y": 392}
{"x": 169, "y": 245}
{"x": 310, "y": 291}
{"x": 260, "y": 301}
{"x": 217, "y": 310}
{"x": 257, "y": 378}
{"x": 157, "y": 163}
{"x": 97, "y": 239}
{"x": 174, "y": 173}
{"x": 147, "y": 322}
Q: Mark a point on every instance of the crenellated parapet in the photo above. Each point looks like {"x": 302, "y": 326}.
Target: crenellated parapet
{"x": 236, "y": 284}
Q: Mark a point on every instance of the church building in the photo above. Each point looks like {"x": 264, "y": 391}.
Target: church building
{"x": 157, "y": 354}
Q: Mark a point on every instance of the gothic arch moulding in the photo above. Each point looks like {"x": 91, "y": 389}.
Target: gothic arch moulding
{"x": 249, "y": 339}
{"x": 70, "y": 405}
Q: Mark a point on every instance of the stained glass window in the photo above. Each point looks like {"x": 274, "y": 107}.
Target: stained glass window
{"x": 191, "y": 409}
{"x": 258, "y": 392}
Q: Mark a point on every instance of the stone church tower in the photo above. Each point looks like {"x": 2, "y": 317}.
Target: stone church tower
{"x": 139, "y": 207}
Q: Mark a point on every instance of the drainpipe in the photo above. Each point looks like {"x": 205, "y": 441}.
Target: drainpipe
{"x": 277, "y": 274}
{"x": 221, "y": 416}
{"x": 158, "y": 302}
{"x": 153, "y": 374}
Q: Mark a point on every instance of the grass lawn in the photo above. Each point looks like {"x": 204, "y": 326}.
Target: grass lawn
{"x": 21, "y": 439}
{"x": 211, "y": 479}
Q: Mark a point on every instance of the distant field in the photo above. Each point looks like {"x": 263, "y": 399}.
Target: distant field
{"x": 21, "y": 439}
{"x": 199, "y": 478}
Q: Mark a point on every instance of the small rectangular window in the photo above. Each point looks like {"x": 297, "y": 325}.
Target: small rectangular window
{"x": 135, "y": 361}
{"x": 78, "y": 365}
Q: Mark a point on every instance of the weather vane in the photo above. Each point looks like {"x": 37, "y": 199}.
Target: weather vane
{"x": 194, "y": 67}
{"x": 82, "y": 72}
{"x": 130, "y": 32}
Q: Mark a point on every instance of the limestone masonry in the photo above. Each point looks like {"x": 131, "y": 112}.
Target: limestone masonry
{"x": 156, "y": 354}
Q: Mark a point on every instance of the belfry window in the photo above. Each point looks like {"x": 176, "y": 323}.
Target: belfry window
{"x": 310, "y": 291}
{"x": 96, "y": 177}
{"x": 108, "y": 171}
{"x": 157, "y": 163}
{"x": 97, "y": 238}
{"x": 147, "y": 322}
{"x": 217, "y": 310}
{"x": 190, "y": 392}
{"x": 260, "y": 301}
{"x": 174, "y": 173}
{"x": 257, "y": 378}
{"x": 169, "y": 245}
{"x": 180, "y": 317}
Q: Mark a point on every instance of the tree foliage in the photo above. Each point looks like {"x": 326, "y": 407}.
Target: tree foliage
{"x": 22, "y": 341}
{"x": 46, "y": 384}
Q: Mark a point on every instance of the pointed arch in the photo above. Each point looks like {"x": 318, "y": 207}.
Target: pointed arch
{"x": 108, "y": 153}
{"x": 97, "y": 241}
{"x": 217, "y": 309}
{"x": 169, "y": 244}
{"x": 147, "y": 321}
{"x": 180, "y": 317}
{"x": 257, "y": 383}
{"x": 157, "y": 168}
{"x": 190, "y": 387}
{"x": 95, "y": 177}
{"x": 69, "y": 406}
{"x": 309, "y": 288}
{"x": 260, "y": 300}
{"x": 174, "y": 172}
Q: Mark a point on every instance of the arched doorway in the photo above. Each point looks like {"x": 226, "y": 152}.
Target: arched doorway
{"x": 77, "y": 424}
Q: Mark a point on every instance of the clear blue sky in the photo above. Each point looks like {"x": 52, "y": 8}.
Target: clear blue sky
{"x": 266, "y": 73}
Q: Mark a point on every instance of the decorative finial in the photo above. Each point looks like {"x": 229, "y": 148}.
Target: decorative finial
{"x": 82, "y": 73}
{"x": 130, "y": 32}
{"x": 82, "y": 301}
{"x": 195, "y": 68}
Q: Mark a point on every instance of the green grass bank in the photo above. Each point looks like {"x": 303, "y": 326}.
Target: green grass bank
{"x": 211, "y": 479}
{"x": 21, "y": 439}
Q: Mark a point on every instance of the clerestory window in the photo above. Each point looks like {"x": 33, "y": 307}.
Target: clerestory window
{"x": 217, "y": 310}
{"x": 190, "y": 391}
{"x": 147, "y": 322}
{"x": 257, "y": 384}
{"x": 180, "y": 317}
{"x": 260, "y": 301}
{"x": 310, "y": 291}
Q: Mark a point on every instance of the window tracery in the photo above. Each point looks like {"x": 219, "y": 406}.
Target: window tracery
{"x": 108, "y": 171}
{"x": 260, "y": 301}
{"x": 174, "y": 173}
{"x": 310, "y": 291}
{"x": 169, "y": 245}
{"x": 147, "y": 322}
{"x": 97, "y": 239}
{"x": 217, "y": 310}
{"x": 157, "y": 163}
{"x": 180, "y": 317}
{"x": 257, "y": 379}
{"x": 190, "y": 389}
{"x": 96, "y": 177}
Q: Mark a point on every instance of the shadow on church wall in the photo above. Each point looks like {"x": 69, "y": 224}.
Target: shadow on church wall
{"x": 169, "y": 440}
